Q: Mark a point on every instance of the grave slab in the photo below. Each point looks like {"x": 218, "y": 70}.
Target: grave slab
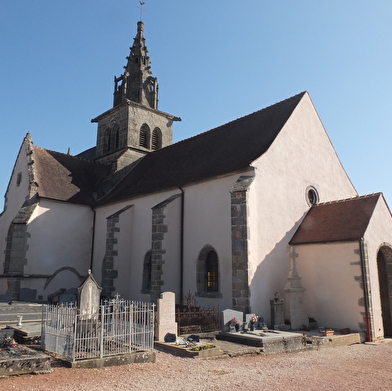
{"x": 21, "y": 360}
{"x": 27, "y": 333}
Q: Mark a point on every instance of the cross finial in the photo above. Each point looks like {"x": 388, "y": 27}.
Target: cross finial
{"x": 141, "y": 9}
{"x": 293, "y": 268}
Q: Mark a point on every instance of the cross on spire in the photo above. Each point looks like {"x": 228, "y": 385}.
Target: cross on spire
{"x": 141, "y": 9}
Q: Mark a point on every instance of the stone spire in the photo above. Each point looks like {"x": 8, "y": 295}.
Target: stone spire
{"x": 136, "y": 83}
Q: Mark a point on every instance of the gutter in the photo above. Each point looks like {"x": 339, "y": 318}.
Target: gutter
{"x": 366, "y": 292}
{"x": 92, "y": 240}
{"x": 182, "y": 246}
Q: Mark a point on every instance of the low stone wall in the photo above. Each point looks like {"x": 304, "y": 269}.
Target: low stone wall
{"x": 148, "y": 356}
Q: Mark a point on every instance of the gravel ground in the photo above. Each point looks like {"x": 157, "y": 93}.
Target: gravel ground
{"x": 356, "y": 367}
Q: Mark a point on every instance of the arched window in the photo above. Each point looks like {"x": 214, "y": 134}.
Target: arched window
{"x": 146, "y": 284}
{"x": 108, "y": 140}
{"x": 116, "y": 137}
{"x": 207, "y": 273}
{"x": 156, "y": 139}
{"x": 212, "y": 272}
{"x": 144, "y": 136}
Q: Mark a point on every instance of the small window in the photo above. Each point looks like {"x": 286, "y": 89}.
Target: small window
{"x": 212, "y": 272}
{"x": 312, "y": 197}
{"x": 156, "y": 139}
{"x": 116, "y": 135}
{"x": 207, "y": 273}
{"x": 19, "y": 179}
{"x": 108, "y": 140}
{"x": 146, "y": 283}
{"x": 144, "y": 136}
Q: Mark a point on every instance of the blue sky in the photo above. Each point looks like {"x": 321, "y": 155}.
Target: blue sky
{"x": 215, "y": 61}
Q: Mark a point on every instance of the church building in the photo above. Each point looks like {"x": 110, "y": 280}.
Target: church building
{"x": 215, "y": 215}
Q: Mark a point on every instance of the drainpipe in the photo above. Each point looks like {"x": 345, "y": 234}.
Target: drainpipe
{"x": 92, "y": 240}
{"x": 364, "y": 267}
{"x": 182, "y": 247}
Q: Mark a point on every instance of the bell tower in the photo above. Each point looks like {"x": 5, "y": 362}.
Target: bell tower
{"x": 134, "y": 126}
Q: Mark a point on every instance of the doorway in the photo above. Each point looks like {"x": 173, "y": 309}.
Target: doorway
{"x": 384, "y": 266}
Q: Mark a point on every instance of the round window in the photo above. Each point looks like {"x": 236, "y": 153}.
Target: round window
{"x": 312, "y": 197}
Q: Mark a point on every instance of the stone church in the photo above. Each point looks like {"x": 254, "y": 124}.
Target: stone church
{"x": 214, "y": 215}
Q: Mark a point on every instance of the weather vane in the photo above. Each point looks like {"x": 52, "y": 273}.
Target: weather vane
{"x": 141, "y": 9}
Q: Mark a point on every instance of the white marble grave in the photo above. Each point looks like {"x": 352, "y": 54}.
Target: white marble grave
{"x": 228, "y": 315}
{"x": 166, "y": 314}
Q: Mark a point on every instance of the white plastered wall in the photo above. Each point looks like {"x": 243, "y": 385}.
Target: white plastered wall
{"x": 171, "y": 244}
{"x": 332, "y": 276}
{"x": 301, "y": 156}
{"x": 378, "y": 233}
{"x": 207, "y": 220}
{"x": 15, "y": 196}
{"x": 134, "y": 241}
{"x": 60, "y": 236}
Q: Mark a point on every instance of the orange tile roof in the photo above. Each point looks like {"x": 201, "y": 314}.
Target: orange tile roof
{"x": 344, "y": 220}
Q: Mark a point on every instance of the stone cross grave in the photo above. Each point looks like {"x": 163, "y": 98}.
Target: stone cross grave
{"x": 294, "y": 296}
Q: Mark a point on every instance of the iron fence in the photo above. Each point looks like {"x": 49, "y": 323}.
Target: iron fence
{"x": 191, "y": 318}
{"x": 120, "y": 327}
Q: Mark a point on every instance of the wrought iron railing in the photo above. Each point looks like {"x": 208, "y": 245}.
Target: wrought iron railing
{"x": 191, "y": 318}
{"x": 121, "y": 327}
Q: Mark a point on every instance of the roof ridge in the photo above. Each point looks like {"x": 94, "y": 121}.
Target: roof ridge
{"x": 230, "y": 122}
{"x": 353, "y": 198}
{"x": 76, "y": 157}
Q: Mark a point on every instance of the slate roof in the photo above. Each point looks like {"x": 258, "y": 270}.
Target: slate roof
{"x": 337, "y": 221}
{"x": 67, "y": 178}
{"x": 223, "y": 150}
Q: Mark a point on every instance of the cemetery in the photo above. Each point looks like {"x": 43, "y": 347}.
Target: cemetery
{"x": 91, "y": 333}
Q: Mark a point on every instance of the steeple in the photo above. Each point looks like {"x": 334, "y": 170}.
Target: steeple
{"x": 134, "y": 126}
{"x": 136, "y": 83}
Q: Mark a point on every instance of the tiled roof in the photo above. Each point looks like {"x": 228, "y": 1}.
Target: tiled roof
{"x": 223, "y": 150}
{"x": 336, "y": 221}
{"x": 67, "y": 178}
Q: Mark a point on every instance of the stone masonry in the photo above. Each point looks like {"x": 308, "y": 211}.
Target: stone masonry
{"x": 239, "y": 240}
{"x": 157, "y": 251}
{"x": 109, "y": 274}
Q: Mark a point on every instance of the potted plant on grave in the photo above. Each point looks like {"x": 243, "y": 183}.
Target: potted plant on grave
{"x": 327, "y": 332}
{"x": 234, "y": 325}
{"x": 252, "y": 320}
{"x": 312, "y": 323}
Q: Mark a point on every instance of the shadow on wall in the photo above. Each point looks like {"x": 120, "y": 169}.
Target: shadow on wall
{"x": 62, "y": 281}
{"x": 271, "y": 276}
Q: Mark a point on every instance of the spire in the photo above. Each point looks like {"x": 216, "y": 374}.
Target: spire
{"x": 136, "y": 83}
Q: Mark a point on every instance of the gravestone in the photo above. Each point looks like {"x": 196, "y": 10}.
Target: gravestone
{"x": 277, "y": 311}
{"x": 89, "y": 294}
{"x": 228, "y": 315}
{"x": 294, "y": 295}
{"x": 166, "y": 313}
